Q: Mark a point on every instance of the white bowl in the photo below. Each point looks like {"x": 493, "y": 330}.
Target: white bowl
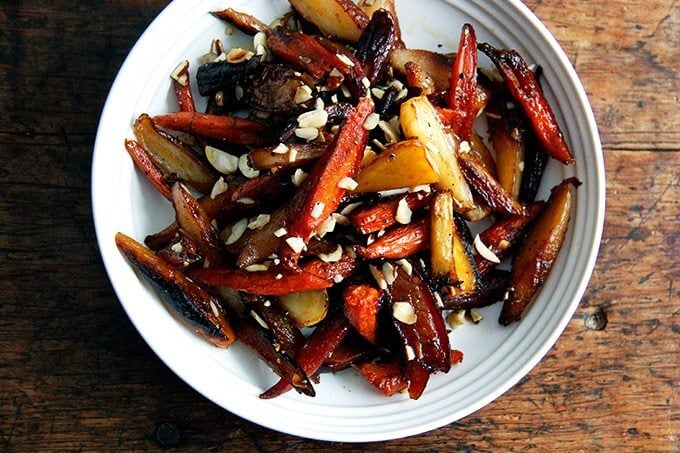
{"x": 346, "y": 408}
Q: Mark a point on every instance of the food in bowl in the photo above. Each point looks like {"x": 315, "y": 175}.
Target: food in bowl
{"x": 332, "y": 183}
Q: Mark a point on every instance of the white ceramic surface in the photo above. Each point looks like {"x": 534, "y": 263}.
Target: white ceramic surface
{"x": 345, "y": 408}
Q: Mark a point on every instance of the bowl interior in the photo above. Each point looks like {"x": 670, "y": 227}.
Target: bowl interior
{"x": 345, "y": 408}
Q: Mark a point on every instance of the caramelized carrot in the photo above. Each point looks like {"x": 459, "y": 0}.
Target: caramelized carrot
{"x": 539, "y": 252}
{"x": 352, "y": 350}
{"x": 180, "y": 82}
{"x": 425, "y": 335}
{"x": 387, "y": 377}
{"x": 258, "y": 341}
{"x": 461, "y": 96}
{"x": 192, "y": 303}
{"x": 522, "y": 83}
{"x": 399, "y": 242}
{"x": 379, "y": 216}
{"x": 314, "y": 275}
{"x": 194, "y": 222}
{"x": 489, "y": 291}
{"x": 361, "y": 304}
{"x": 318, "y": 347}
{"x": 503, "y": 235}
{"x": 142, "y": 160}
{"x": 320, "y": 194}
{"x": 487, "y": 187}
{"x": 304, "y": 52}
{"x": 282, "y": 328}
{"x": 375, "y": 44}
{"x": 216, "y": 127}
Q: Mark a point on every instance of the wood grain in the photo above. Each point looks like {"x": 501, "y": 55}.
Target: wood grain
{"x": 75, "y": 375}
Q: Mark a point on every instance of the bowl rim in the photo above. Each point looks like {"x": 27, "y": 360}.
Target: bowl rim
{"x": 592, "y": 137}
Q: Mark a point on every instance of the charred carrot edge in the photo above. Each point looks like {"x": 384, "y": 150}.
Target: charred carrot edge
{"x": 244, "y": 22}
{"x": 180, "y": 82}
{"x": 376, "y": 43}
{"x": 380, "y": 216}
{"x": 399, "y": 242}
{"x": 387, "y": 377}
{"x": 226, "y": 128}
{"x": 487, "y": 187}
{"x": 461, "y": 96}
{"x": 535, "y": 161}
{"x": 195, "y": 223}
{"x": 320, "y": 194}
{"x": 256, "y": 339}
{"x": 141, "y": 159}
{"x": 524, "y": 88}
{"x": 318, "y": 347}
{"x": 186, "y": 298}
{"x": 361, "y": 304}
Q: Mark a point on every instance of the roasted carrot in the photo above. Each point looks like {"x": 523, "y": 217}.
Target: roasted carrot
{"x": 182, "y": 86}
{"x": 361, "y": 304}
{"x": 246, "y": 198}
{"x": 320, "y": 194}
{"x": 258, "y": 341}
{"x": 424, "y": 335}
{"x": 244, "y": 22}
{"x": 539, "y": 252}
{"x": 304, "y": 52}
{"x": 375, "y": 44}
{"x": 487, "y": 187}
{"x": 194, "y": 222}
{"x": 187, "y": 299}
{"x": 399, "y": 242}
{"x": 352, "y": 350}
{"x": 522, "y": 83}
{"x": 387, "y": 377}
{"x": 461, "y": 96}
{"x": 275, "y": 281}
{"x": 382, "y": 215}
{"x": 282, "y": 328}
{"x": 505, "y": 234}
{"x": 489, "y": 291}
{"x": 215, "y": 127}
{"x": 142, "y": 160}
{"x": 318, "y": 347}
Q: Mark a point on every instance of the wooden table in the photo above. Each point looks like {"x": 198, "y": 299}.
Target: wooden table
{"x": 75, "y": 374}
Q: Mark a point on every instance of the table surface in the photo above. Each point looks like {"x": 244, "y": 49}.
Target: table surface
{"x": 75, "y": 374}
